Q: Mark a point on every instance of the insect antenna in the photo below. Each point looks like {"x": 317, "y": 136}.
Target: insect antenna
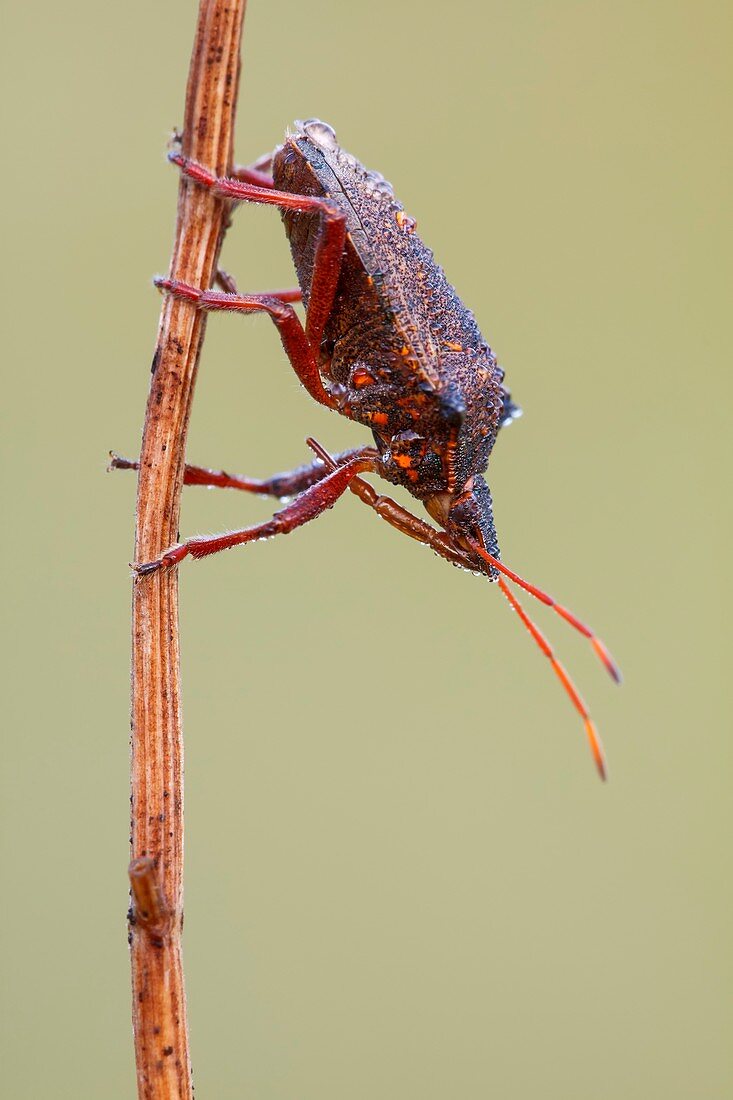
{"x": 610, "y": 665}
{"x": 564, "y": 678}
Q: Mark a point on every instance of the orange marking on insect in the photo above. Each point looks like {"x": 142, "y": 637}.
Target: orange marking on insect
{"x": 453, "y": 346}
{"x": 379, "y": 418}
{"x": 405, "y": 461}
{"x": 362, "y": 377}
{"x": 404, "y": 350}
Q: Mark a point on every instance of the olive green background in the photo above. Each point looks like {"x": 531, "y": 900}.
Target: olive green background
{"x": 403, "y": 877}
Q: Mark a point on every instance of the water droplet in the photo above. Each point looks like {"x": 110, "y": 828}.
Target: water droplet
{"x": 383, "y": 187}
{"x": 320, "y": 133}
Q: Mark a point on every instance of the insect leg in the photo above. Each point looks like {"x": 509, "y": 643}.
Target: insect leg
{"x": 282, "y": 485}
{"x": 228, "y": 284}
{"x": 257, "y": 173}
{"x": 249, "y": 174}
{"x": 329, "y": 247}
{"x": 294, "y": 340}
{"x": 310, "y": 504}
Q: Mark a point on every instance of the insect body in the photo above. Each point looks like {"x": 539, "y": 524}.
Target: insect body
{"x": 387, "y": 343}
{"x": 403, "y": 354}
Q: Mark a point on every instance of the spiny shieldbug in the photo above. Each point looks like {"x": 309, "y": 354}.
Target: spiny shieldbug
{"x": 387, "y": 343}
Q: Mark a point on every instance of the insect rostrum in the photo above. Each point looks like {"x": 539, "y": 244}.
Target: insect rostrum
{"x": 387, "y": 343}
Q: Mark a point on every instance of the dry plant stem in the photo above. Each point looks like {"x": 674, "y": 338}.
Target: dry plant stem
{"x": 156, "y": 871}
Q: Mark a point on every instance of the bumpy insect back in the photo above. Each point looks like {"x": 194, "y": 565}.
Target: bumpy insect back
{"x": 408, "y": 354}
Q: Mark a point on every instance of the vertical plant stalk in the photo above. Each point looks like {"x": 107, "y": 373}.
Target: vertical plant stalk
{"x": 156, "y": 870}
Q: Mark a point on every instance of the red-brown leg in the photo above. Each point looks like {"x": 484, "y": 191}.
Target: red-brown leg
{"x": 310, "y": 504}
{"x": 329, "y": 247}
{"x": 282, "y": 486}
{"x": 294, "y": 340}
{"x": 229, "y": 286}
{"x": 257, "y": 173}
{"x": 249, "y": 174}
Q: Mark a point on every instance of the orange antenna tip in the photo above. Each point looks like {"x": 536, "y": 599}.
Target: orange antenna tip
{"x": 597, "y": 749}
{"x": 611, "y": 667}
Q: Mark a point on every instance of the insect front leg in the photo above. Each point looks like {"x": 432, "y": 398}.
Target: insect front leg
{"x": 329, "y": 248}
{"x": 310, "y": 504}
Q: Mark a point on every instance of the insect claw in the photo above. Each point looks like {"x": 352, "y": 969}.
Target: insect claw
{"x": 171, "y": 557}
{"x": 178, "y": 290}
{"x": 117, "y": 462}
{"x": 145, "y": 568}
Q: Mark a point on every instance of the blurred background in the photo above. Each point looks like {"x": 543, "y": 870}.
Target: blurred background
{"x": 403, "y": 877}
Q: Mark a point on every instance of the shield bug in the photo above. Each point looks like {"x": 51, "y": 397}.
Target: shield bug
{"x": 387, "y": 343}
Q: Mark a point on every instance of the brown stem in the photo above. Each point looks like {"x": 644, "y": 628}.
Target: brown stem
{"x": 156, "y": 871}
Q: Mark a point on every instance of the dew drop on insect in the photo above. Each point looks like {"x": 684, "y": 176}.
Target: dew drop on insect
{"x": 378, "y": 185}
{"x": 320, "y": 133}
